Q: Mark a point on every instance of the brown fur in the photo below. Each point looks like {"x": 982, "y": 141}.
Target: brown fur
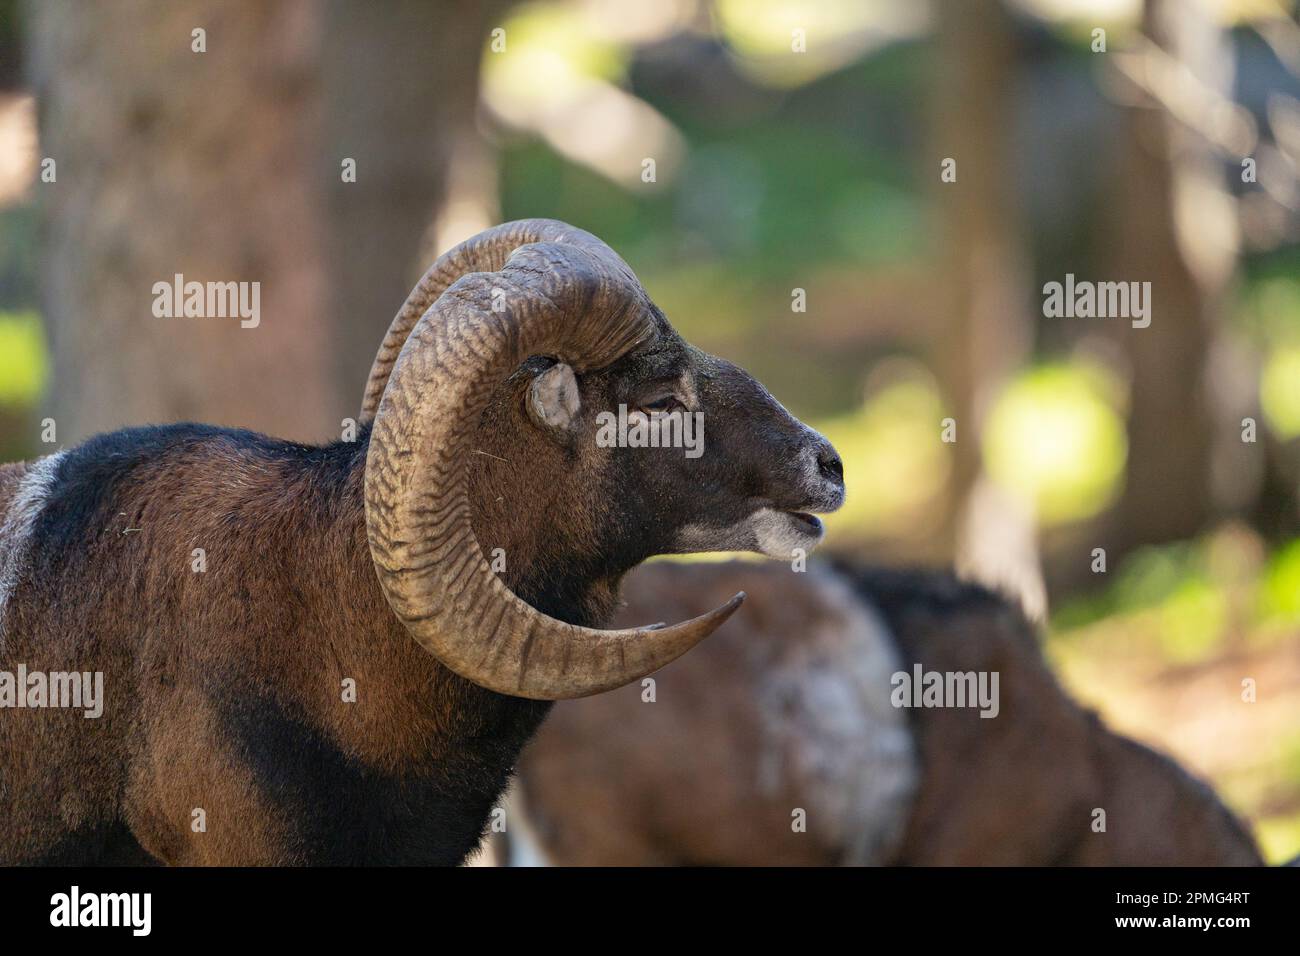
{"x": 618, "y": 781}
{"x": 612, "y": 781}
{"x": 224, "y": 689}
{"x": 10, "y": 476}
{"x": 291, "y": 625}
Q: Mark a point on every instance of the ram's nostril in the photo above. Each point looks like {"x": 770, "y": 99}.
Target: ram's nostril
{"x": 830, "y": 465}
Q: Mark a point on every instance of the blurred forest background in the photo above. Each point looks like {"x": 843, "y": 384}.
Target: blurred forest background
{"x": 776, "y": 169}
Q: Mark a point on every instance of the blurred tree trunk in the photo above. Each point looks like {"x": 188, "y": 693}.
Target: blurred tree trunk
{"x": 1172, "y": 224}
{"x": 227, "y": 166}
{"x": 400, "y": 92}
{"x": 174, "y": 161}
{"x": 988, "y": 328}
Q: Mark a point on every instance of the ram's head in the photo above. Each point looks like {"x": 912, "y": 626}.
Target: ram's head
{"x": 529, "y": 391}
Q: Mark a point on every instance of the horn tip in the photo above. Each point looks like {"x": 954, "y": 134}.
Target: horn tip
{"x": 728, "y": 609}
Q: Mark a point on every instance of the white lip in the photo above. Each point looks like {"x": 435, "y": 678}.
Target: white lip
{"x": 779, "y": 533}
{"x": 809, "y": 521}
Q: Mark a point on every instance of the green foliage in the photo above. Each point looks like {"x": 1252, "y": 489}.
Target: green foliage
{"x": 1278, "y": 837}
{"x": 1055, "y": 437}
{"x": 1184, "y": 596}
{"x": 795, "y": 183}
{"x": 894, "y": 464}
{"x": 1278, "y": 826}
{"x": 549, "y": 45}
{"x": 19, "y": 241}
{"x": 1270, "y": 307}
{"x": 23, "y": 360}
{"x": 766, "y": 202}
{"x": 1279, "y": 592}
{"x": 1268, "y": 315}
{"x": 1279, "y": 392}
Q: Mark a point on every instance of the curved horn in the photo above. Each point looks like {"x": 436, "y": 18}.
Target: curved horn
{"x": 485, "y": 252}
{"x": 565, "y": 295}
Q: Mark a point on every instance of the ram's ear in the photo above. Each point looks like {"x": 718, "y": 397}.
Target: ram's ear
{"x": 553, "y": 400}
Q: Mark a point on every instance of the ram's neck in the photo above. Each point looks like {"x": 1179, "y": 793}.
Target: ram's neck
{"x": 549, "y": 567}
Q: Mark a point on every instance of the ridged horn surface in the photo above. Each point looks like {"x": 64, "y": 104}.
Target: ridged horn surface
{"x": 535, "y": 287}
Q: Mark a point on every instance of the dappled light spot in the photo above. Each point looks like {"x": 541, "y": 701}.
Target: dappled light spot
{"x": 1053, "y": 438}
{"x": 23, "y": 362}
{"x": 1279, "y": 392}
{"x": 895, "y": 468}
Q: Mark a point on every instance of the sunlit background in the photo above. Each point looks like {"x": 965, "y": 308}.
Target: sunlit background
{"x": 777, "y": 170}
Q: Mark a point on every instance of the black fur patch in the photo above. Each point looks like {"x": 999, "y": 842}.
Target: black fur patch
{"x": 344, "y": 813}
{"x": 80, "y": 500}
{"x": 901, "y": 591}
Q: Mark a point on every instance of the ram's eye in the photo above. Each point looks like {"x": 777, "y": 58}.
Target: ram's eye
{"x": 668, "y": 403}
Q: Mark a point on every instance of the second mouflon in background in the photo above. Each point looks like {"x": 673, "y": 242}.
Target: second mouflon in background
{"x": 791, "y": 708}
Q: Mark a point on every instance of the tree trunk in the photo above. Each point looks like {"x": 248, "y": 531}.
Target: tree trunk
{"x": 988, "y": 330}
{"x": 400, "y": 89}
{"x": 1173, "y": 226}
{"x": 171, "y": 161}
{"x": 226, "y": 166}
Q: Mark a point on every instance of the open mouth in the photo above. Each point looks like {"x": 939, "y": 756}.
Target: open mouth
{"x": 778, "y": 532}
{"x": 806, "y": 522}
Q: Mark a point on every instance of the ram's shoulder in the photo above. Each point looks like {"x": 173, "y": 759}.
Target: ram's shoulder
{"x": 11, "y": 477}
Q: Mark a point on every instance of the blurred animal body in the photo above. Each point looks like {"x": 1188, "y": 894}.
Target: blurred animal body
{"x": 786, "y": 717}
